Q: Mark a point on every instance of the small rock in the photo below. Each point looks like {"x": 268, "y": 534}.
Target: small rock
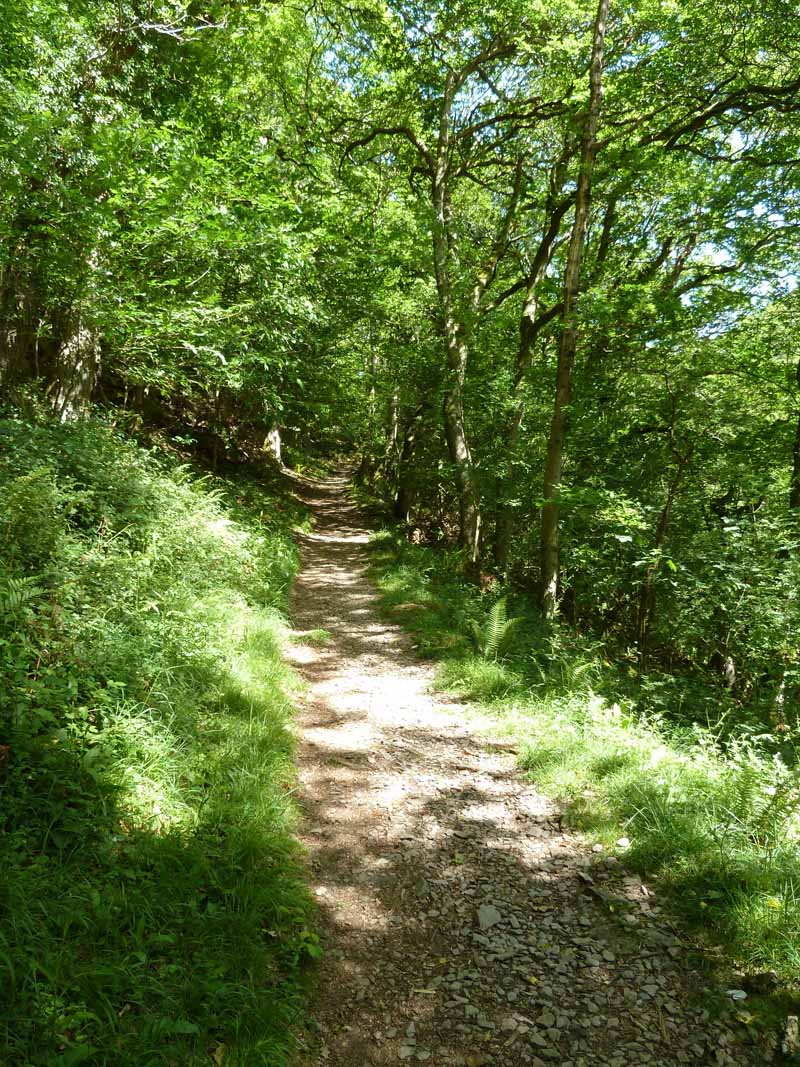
{"x": 791, "y": 1037}
{"x": 488, "y": 916}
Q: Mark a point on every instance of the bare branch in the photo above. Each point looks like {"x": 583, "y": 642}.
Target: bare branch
{"x": 179, "y": 31}
{"x": 732, "y": 268}
{"x": 392, "y": 131}
{"x": 518, "y": 286}
{"x": 489, "y": 268}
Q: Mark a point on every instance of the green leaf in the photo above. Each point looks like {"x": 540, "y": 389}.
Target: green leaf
{"x": 183, "y": 1026}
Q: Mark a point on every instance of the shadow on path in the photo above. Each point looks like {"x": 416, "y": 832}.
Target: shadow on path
{"x": 462, "y": 925}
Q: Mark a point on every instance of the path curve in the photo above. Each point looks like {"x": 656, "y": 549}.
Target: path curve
{"x": 462, "y": 925}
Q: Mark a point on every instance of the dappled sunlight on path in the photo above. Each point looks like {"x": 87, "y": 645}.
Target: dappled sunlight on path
{"x": 462, "y": 925}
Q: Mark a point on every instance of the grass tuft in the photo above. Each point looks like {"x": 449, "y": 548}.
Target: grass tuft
{"x": 317, "y": 638}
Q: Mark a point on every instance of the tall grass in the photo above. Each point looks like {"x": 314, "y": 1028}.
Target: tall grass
{"x": 710, "y": 811}
{"x": 154, "y": 910}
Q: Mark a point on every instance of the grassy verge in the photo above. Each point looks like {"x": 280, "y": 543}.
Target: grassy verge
{"x": 713, "y": 820}
{"x": 154, "y": 910}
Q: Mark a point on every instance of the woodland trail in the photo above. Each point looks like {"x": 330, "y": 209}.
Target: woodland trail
{"x": 462, "y": 925}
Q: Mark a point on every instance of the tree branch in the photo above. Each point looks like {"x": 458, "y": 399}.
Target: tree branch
{"x": 487, "y": 272}
{"x": 391, "y": 131}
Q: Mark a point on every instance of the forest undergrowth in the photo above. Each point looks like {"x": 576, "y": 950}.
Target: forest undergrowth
{"x": 154, "y": 906}
{"x": 705, "y": 809}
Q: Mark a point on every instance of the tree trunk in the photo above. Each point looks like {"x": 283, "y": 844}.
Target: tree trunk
{"x": 437, "y": 164}
{"x": 456, "y": 351}
{"x": 527, "y": 335}
{"x": 404, "y": 493}
{"x": 76, "y": 371}
{"x": 468, "y": 504}
{"x": 20, "y": 315}
{"x": 530, "y": 325}
{"x": 394, "y": 425}
{"x": 216, "y": 440}
{"x": 647, "y": 592}
{"x": 794, "y": 484}
{"x": 554, "y": 462}
{"x": 272, "y": 444}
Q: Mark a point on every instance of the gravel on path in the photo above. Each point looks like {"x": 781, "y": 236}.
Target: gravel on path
{"x": 462, "y": 925}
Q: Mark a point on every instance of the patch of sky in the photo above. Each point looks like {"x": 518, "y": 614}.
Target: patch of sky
{"x": 711, "y": 253}
{"x": 736, "y": 141}
{"x": 648, "y": 45}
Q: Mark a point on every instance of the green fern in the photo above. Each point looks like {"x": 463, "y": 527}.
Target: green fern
{"x": 495, "y": 631}
{"x": 765, "y": 799}
{"x": 16, "y": 593}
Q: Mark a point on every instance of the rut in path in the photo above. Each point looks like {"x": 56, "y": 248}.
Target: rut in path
{"x": 462, "y": 925}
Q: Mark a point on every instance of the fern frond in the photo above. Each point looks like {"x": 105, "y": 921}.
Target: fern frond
{"x": 16, "y": 593}
{"x": 495, "y": 631}
{"x": 496, "y": 626}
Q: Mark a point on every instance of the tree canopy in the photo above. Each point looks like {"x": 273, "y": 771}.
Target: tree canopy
{"x": 539, "y": 277}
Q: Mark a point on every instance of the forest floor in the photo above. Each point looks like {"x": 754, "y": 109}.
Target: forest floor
{"x": 462, "y": 924}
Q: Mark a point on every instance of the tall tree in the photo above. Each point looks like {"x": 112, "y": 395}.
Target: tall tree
{"x": 568, "y": 339}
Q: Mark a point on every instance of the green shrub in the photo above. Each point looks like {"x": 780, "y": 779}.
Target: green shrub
{"x": 31, "y": 519}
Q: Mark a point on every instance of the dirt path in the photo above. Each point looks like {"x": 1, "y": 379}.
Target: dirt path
{"x": 462, "y": 925}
